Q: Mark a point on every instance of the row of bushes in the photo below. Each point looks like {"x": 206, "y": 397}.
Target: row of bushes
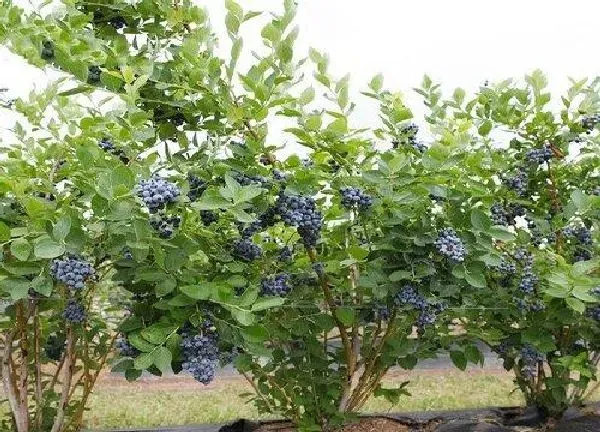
{"x": 167, "y": 225}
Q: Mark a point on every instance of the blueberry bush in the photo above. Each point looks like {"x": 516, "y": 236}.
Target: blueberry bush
{"x": 312, "y": 273}
{"x": 540, "y": 293}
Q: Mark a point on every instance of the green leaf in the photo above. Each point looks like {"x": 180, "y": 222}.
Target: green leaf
{"x": 198, "y": 292}
{"x": 345, "y": 315}
{"x": 400, "y": 275}
{"x": 243, "y": 316}
{"x": 157, "y": 333}
{"x": 4, "y": 232}
{"x": 476, "y": 280}
{"x": 459, "y": 359}
{"x": 162, "y": 359}
{"x": 501, "y": 233}
{"x": 485, "y": 128}
{"x": 480, "y": 221}
{"x": 61, "y": 228}
{"x": 45, "y": 247}
{"x": 144, "y": 361}
{"x": 20, "y": 248}
{"x": 16, "y": 288}
{"x": 376, "y": 83}
{"x": 576, "y": 304}
{"x": 42, "y": 285}
{"x": 267, "y": 303}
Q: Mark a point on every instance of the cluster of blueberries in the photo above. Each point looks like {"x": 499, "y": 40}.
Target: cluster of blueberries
{"x": 301, "y": 212}
{"x": 518, "y": 182}
{"x": 94, "y": 73}
{"x": 157, "y": 192}
{"x": 165, "y": 225}
{"x": 589, "y": 122}
{"x": 539, "y": 155}
{"x": 581, "y": 233}
{"x": 277, "y": 285}
{"x": 124, "y": 347}
{"x": 73, "y": 271}
{"x": 47, "y": 50}
{"x": 353, "y": 198}
{"x": 505, "y": 215}
{"x": 529, "y": 360}
{"x": 409, "y": 137}
{"x": 74, "y": 312}
{"x": 428, "y": 311}
{"x": 197, "y": 186}
{"x": 208, "y": 217}
{"x": 54, "y": 346}
{"x": 107, "y": 145}
{"x": 450, "y": 245}
{"x": 200, "y": 353}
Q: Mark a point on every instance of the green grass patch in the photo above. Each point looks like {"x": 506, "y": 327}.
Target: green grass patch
{"x": 145, "y": 406}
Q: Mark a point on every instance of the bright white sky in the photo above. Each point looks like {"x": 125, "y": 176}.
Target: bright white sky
{"x": 459, "y": 42}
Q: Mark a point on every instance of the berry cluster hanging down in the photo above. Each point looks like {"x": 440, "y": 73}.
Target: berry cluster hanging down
{"x": 165, "y": 225}
{"x": 157, "y": 192}
{"x": 197, "y": 186}
{"x": 428, "y": 311}
{"x": 74, "y": 311}
{"x": 529, "y": 360}
{"x": 107, "y": 145}
{"x": 124, "y": 347}
{"x": 73, "y": 271}
{"x": 450, "y": 245}
{"x": 355, "y": 198}
{"x": 301, "y": 212}
{"x": 200, "y": 355}
{"x": 277, "y": 285}
{"x": 539, "y": 155}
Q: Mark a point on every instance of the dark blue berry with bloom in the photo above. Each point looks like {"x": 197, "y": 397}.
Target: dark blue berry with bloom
{"x": 539, "y": 155}
{"x": 285, "y": 254}
{"x": 518, "y": 182}
{"x": 124, "y": 347}
{"x": 450, "y": 245}
{"x": 157, "y": 192}
{"x": 245, "y": 250}
{"x": 355, "y": 198}
{"x": 581, "y": 233}
{"x": 208, "y": 217}
{"x": 73, "y": 271}
{"x": 408, "y": 295}
{"x": 530, "y": 357}
{"x": 197, "y": 187}
{"x": 589, "y": 122}
{"x": 301, "y": 212}
{"x": 277, "y": 285}
{"x": 165, "y": 225}
{"x": 74, "y": 311}
{"x": 200, "y": 355}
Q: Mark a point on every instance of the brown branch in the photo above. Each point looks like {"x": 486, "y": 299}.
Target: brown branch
{"x": 9, "y": 382}
{"x": 22, "y": 320}
{"x": 258, "y": 392}
{"x": 38, "y": 367}
{"x": 57, "y": 426}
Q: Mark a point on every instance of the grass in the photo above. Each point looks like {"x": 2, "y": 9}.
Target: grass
{"x": 171, "y": 402}
{"x": 147, "y": 406}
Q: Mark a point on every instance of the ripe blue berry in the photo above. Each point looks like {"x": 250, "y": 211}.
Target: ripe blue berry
{"x": 157, "y": 192}
{"x": 94, "y": 73}
{"x": 200, "y": 355}
{"x": 197, "y": 187}
{"x": 118, "y": 22}
{"x": 589, "y": 122}
{"x": 582, "y": 255}
{"x": 245, "y": 250}
{"x": 450, "y": 245}
{"x": 73, "y": 271}
{"x": 54, "y": 347}
{"x": 208, "y": 217}
{"x": 529, "y": 360}
{"x": 74, "y": 311}
{"x": 381, "y": 311}
{"x": 353, "y": 198}
{"x": 125, "y": 348}
{"x": 277, "y": 285}
{"x": 581, "y": 233}
{"x": 47, "y": 50}
{"x": 539, "y": 156}
{"x": 285, "y": 254}
{"x": 507, "y": 267}
{"x": 408, "y": 136}
{"x": 301, "y": 212}
{"x": 127, "y": 253}
{"x": 518, "y": 182}
{"x": 596, "y": 291}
